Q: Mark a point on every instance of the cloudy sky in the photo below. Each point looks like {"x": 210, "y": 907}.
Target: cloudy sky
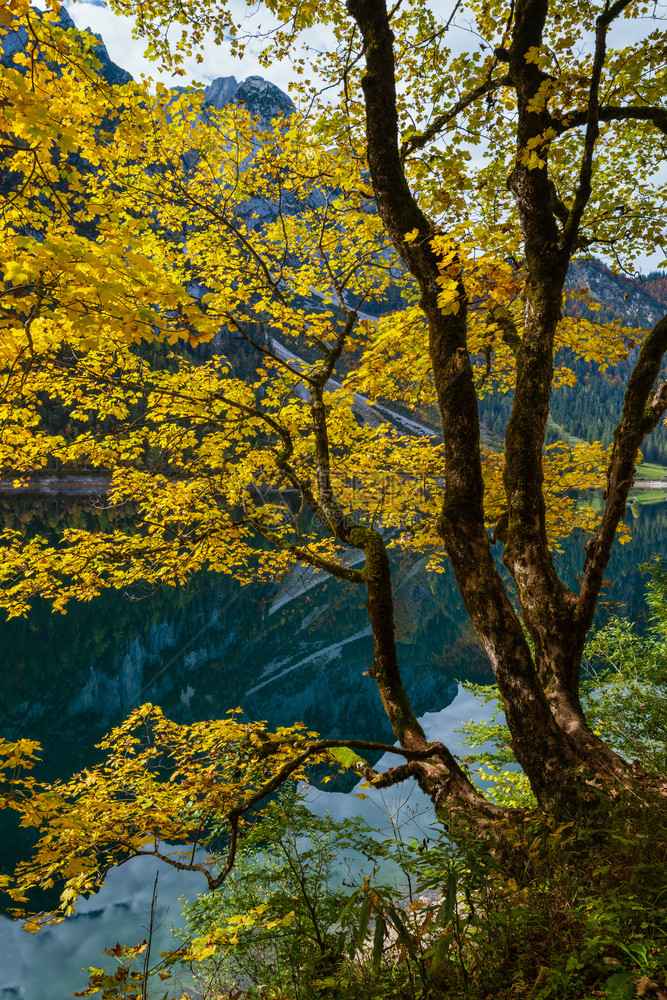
{"x": 127, "y": 52}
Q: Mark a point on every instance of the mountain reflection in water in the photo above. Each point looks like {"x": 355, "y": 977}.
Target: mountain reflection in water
{"x": 284, "y": 652}
{"x": 294, "y": 650}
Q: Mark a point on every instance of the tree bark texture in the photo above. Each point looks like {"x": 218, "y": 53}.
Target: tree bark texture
{"x": 550, "y": 736}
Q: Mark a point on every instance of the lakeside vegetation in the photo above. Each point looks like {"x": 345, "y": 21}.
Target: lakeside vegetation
{"x": 136, "y": 217}
{"x": 320, "y": 908}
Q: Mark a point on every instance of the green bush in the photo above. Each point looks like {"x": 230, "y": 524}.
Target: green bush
{"x": 625, "y": 691}
{"x": 585, "y": 918}
{"x": 273, "y": 928}
{"x": 584, "y": 914}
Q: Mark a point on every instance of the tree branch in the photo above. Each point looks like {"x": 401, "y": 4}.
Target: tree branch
{"x": 263, "y": 349}
{"x": 612, "y": 113}
{"x": 642, "y": 409}
{"x": 304, "y": 555}
{"x": 338, "y": 521}
{"x": 419, "y": 140}
{"x": 570, "y": 232}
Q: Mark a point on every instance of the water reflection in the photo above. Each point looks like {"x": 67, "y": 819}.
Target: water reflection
{"x": 121, "y": 910}
{"x": 295, "y": 650}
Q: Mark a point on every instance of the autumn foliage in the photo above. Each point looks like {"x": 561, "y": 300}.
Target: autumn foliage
{"x": 403, "y": 247}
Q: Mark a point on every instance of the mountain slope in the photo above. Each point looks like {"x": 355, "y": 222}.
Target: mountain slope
{"x": 590, "y": 410}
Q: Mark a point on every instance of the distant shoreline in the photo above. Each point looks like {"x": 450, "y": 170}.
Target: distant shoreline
{"x": 70, "y": 485}
{"x": 96, "y": 485}
{"x": 90, "y": 486}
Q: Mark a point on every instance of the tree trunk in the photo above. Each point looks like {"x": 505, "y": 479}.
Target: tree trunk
{"x": 440, "y": 776}
{"x": 550, "y": 737}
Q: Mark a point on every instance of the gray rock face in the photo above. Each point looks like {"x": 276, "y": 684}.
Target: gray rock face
{"x": 221, "y": 91}
{"x": 258, "y": 95}
{"x": 621, "y": 296}
{"x": 15, "y": 41}
{"x": 263, "y": 98}
{"x": 10, "y": 44}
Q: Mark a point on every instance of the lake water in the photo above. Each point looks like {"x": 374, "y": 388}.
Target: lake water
{"x": 294, "y": 651}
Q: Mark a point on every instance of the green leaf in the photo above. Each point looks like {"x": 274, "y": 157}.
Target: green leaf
{"x": 348, "y": 906}
{"x": 402, "y": 932}
{"x": 446, "y": 911}
{"x": 348, "y": 758}
{"x": 363, "y": 922}
{"x": 438, "y": 954}
{"x": 378, "y": 943}
{"x": 620, "y": 986}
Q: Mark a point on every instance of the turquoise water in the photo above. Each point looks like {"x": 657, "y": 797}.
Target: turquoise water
{"x": 294, "y": 650}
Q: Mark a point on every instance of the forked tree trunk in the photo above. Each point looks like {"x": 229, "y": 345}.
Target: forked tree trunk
{"x": 550, "y": 736}
{"x": 440, "y": 775}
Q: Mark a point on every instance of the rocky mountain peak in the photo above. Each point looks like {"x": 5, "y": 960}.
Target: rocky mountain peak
{"x": 16, "y": 41}
{"x": 221, "y": 91}
{"x": 634, "y": 301}
{"x": 258, "y": 95}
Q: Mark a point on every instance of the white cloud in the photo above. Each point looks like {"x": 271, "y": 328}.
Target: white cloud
{"x": 120, "y": 911}
{"x": 128, "y": 51}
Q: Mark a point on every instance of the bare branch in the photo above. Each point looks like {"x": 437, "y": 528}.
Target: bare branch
{"x": 611, "y": 113}
{"x": 305, "y": 555}
{"x": 570, "y": 232}
{"x": 266, "y": 350}
{"x": 420, "y": 140}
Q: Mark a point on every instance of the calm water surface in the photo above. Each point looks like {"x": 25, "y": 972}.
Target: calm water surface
{"x": 292, "y": 651}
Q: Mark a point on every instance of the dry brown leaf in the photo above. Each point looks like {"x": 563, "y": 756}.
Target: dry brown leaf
{"x": 644, "y": 984}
